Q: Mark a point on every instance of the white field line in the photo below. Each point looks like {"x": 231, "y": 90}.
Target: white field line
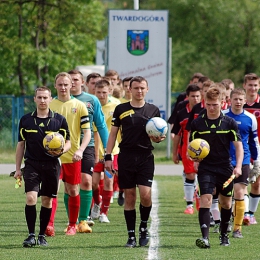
{"x": 154, "y": 236}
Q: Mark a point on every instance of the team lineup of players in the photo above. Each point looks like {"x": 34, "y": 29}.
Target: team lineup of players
{"x": 226, "y": 117}
{"x": 112, "y": 115}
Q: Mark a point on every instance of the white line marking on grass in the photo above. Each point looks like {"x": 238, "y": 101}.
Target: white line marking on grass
{"x": 154, "y": 237}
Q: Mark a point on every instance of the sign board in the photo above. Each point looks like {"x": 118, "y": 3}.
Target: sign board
{"x": 138, "y": 46}
{"x": 88, "y": 69}
{"x": 100, "y": 52}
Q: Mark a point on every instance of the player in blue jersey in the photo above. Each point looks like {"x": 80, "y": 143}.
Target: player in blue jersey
{"x": 247, "y": 125}
{"x": 89, "y": 159}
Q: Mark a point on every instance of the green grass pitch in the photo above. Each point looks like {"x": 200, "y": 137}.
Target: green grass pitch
{"x": 176, "y": 232}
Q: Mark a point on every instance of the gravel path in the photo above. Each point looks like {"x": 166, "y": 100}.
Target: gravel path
{"x": 160, "y": 169}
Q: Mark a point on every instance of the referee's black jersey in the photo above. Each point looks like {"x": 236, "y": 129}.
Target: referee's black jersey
{"x": 132, "y": 122}
{"x": 32, "y": 130}
{"x": 218, "y": 133}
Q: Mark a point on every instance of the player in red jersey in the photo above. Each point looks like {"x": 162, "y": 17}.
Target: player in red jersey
{"x": 229, "y": 84}
{"x": 180, "y": 132}
{"x": 182, "y": 97}
{"x": 251, "y": 86}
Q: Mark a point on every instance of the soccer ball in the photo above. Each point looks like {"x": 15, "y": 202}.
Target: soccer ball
{"x": 198, "y": 149}
{"x": 53, "y": 141}
{"x": 156, "y": 127}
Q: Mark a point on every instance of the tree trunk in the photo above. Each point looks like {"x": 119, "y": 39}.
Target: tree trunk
{"x": 20, "y": 60}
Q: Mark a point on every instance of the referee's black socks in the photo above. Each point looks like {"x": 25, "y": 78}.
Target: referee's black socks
{"x": 225, "y": 215}
{"x": 204, "y": 220}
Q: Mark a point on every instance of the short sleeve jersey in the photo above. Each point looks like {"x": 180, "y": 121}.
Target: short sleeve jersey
{"x": 77, "y": 117}
{"x": 114, "y": 100}
{"x": 33, "y": 129}
{"x": 177, "y": 108}
{"x": 255, "y": 110}
{"x": 108, "y": 110}
{"x": 132, "y": 121}
{"x": 123, "y": 100}
{"x": 96, "y": 116}
{"x": 218, "y": 133}
{"x": 247, "y": 125}
{"x": 195, "y": 113}
{"x": 179, "y": 127}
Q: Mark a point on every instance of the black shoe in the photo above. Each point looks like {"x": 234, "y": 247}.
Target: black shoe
{"x": 202, "y": 243}
{"x": 224, "y": 240}
{"x": 143, "y": 237}
{"x": 42, "y": 241}
{"x": 29, "y": 241}
{"x": 131, "y": 242}
{"x": 121, "y": 199}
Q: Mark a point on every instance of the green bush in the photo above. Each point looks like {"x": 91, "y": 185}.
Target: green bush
{"x": 6, "y": 141}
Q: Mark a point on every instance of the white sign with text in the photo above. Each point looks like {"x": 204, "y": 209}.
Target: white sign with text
{"x": 138, "y": 46}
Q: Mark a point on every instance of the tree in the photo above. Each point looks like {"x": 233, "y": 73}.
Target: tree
{"x": 218, "y": 38}
{"x": 43, "y": 37}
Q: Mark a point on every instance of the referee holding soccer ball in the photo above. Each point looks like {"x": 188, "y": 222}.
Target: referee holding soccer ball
{"x": 135, "y": 160}
{"x": 42, "y": 170}
{"x": 213, "y": 171}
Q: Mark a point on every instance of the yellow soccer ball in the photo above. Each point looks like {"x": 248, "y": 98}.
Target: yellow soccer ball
{"x": 53, "y": 141}
{"x": 198, "y": 148}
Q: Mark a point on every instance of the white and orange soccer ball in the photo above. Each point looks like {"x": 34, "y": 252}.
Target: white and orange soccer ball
{"x": 156, "y": 127}
{"x": 198, "y": 148}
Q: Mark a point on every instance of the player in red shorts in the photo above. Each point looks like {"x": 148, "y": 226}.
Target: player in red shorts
{"x": 100, "y": 208}
{"x": 77, "y": 117}
{"x": 181, "y": 136}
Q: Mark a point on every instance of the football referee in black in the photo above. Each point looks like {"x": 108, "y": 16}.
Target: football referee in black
{"x": 135, "y": 160}
{"x": 214, "y": 170}
{"x": 42, "y": 169}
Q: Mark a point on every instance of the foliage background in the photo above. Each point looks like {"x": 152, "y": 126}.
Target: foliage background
{"x": 40, "y": 38}
{"x": 43, "y": 37}
{"x": 217, "y": 38}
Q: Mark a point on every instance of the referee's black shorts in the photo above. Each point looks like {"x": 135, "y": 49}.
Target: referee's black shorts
{"x": 215, "y": 177}
{"x": 135, "y": 168}
{"x": 42, "y": 177}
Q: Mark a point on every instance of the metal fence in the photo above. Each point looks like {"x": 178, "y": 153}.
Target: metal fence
{"x": 11, "y": 110}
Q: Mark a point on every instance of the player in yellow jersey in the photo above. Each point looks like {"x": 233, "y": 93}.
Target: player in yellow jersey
{"x": 91, "y": 80}
{"x": 113, "y": 76}
{"x": 108, "y": 107}
{"x": 77, "y": 117}
{"x": 127, "y": 93}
